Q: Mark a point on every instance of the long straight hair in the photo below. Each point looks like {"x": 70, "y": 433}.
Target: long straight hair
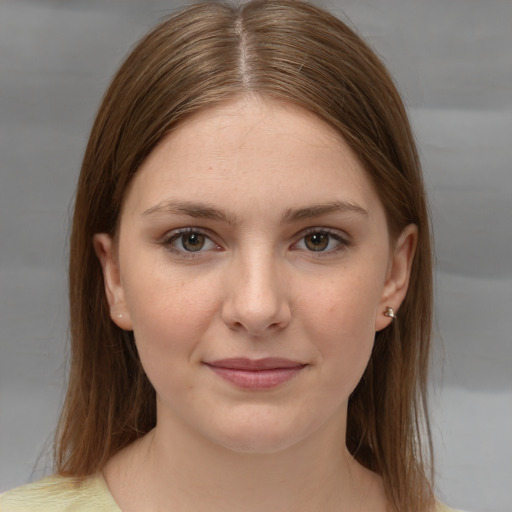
{"x": 203, "y": 56}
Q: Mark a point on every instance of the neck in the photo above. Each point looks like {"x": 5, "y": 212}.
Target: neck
{"x": 160, "y": 470}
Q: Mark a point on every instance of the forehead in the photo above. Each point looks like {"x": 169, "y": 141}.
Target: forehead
{"x": 252, "y": 151}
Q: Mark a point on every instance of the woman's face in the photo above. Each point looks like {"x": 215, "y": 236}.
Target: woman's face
{"x": 254, "y": 265}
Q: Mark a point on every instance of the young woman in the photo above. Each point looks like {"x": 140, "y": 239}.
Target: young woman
{"x": 250, "y": 279}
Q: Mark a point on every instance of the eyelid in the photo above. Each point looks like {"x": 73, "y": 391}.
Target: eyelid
{"x": 324, "y": 229}
{"x": 174, "y": 234}
{"x": 341, "y": 237}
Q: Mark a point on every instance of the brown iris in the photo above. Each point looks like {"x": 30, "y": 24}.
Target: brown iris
{"x": 317, "y": 241}
{"x": 192, "y": 242}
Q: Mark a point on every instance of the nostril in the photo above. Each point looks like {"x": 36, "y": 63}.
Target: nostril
{"x": 235, "y": 326}
{"x": 257, "y": 327}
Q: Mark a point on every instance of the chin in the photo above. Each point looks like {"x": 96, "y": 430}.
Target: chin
{"x": 260, "y": 434}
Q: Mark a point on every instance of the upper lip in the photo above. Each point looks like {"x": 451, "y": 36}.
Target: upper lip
{"x": 267, "y": 363}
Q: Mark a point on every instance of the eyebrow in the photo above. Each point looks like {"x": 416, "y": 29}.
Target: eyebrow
{"x": 295, "y": 214}
{"x": 204, "y": 211}
{"x": 196, "y": 210}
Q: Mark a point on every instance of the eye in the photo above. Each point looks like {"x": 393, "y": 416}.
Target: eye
{"x": 321, "y": 240}
{"x": 317, "y": 241}
{"x": 190, "y": 241}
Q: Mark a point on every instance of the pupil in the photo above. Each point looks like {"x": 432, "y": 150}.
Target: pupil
{"x": 193, "y": 242}
{"x": 317, "y": 241}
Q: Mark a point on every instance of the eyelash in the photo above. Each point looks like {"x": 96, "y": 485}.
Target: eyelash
{"x": 171, "y": 238}
{"x": 177, "y": 234}
{"x": 342, "y": 241}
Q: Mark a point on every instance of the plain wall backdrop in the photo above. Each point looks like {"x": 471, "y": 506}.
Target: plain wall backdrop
{"x": 452, "y": 61}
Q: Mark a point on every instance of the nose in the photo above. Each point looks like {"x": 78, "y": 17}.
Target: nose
{"x": 256, "y": 300}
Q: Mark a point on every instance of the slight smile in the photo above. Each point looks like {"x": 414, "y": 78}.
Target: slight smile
{"x": 256, "y": 374}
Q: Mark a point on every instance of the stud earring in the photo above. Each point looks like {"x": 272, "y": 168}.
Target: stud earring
{"x": 115, "y": 311}
{"x": 390, "y": 312}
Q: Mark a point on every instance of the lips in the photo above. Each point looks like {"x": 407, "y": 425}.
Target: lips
{"x": 256, "y": 374}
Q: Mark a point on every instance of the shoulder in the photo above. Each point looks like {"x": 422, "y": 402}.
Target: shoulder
{"x": 443, "y": 508}
{"x": 60, "y": 494}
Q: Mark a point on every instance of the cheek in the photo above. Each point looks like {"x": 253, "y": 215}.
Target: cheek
{"x": 347, "y": 302}
{"x": 169, "y": 316}
{"x": 341, "y": 322}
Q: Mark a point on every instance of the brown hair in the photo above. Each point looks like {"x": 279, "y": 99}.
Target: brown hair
{"x": 202, "y": 56}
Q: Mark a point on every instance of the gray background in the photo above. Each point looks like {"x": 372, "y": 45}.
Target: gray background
{"x": 452, "y": 60}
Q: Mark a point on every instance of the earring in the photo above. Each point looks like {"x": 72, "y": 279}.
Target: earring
{"x": 390, "y": 312}
{"x": 115, "y": 311}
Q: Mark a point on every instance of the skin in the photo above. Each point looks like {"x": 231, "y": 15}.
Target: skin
{"x": 255, "y": 289}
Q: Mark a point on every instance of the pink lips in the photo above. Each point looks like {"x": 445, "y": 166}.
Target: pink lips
{"x": 256, "y": 374}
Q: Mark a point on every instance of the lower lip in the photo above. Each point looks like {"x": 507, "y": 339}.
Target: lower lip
{"x": 257, "y": 379}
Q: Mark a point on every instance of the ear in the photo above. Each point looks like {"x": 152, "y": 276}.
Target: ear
{"x": 398, "y": 275}
{"x": 105, "y": 251}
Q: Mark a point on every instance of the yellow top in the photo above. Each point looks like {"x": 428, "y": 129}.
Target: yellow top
{"x": 59, "y": 494}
